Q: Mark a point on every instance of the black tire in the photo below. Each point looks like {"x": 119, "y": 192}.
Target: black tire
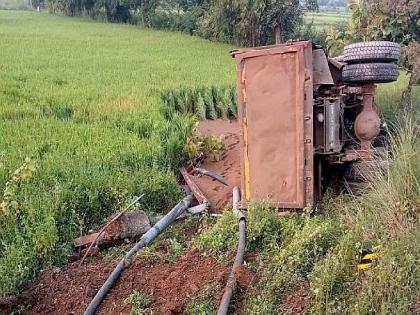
{"x": 376, "y": 51}
{"x": 361, "y": 171}
{"x": 358, "y": 177}
{"x": 370, "y": 73}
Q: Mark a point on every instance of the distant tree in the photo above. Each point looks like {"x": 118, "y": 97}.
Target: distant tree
{"x": 311, "y": 5}
{"x": 252, "y": 22}
{"x": 245, "y": 22}
{"x": 147, "y": 10}
{"x": 393, "y": 20}
{"x": 183, "y": 5}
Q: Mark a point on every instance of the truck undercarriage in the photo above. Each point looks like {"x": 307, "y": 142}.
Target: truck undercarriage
{"x": 307, "y": 118}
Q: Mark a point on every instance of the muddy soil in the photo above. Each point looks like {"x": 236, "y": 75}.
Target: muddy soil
{"x": 170, "y": 285}
{"x": 219, "y": 195}
{"x": 244, "y": 277}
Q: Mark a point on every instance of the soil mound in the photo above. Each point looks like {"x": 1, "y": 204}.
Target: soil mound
{"x": 244, "y": 277}
{"x": 170, "y": 285}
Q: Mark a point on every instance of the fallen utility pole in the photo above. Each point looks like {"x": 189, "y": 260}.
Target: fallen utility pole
{"x": 107, "y": 225}
{"x": 145, "y": 240}
{"x": 239, "y": 259}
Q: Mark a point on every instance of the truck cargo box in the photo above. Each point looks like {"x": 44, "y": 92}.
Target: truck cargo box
{"x": 275, "y": 97}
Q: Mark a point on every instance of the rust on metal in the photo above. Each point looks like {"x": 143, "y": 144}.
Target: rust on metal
{"x": 275, "y": 106}
{"x": 367, "y": 123}
{"x": 193, "y": 186}
{"x": 321, "y": 71}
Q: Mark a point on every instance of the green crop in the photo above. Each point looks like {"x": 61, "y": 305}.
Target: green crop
{"x": 82, "y": 100}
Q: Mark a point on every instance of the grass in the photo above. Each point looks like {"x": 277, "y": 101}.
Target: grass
{"x": 203, "y": 304}
{"x": 389, "y": 97}
{"x": 138, "y": 301}
{"x": 82, "y": 100}
{"x": 325, "y": 20}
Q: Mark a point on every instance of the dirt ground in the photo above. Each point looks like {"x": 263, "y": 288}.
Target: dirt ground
{"x": 169, "y": 284}
{"x": 298, "y": 299}
{"x": 219, "y": 195}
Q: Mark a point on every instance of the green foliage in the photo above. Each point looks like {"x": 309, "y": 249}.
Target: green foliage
{"x": 204, "y": 103}
{"x": 389, "y": 97}
{"x": 9, "y": 206}
{"x": 264, "y": 228}
{"x": 174, "y": 250}
{"x": 322, "y": 21}
{"x": 94, "y": 125}
{"x": 200, "y": 106}
{"x": 309, "y": 31}
{"x": 252, "y": 23}
{"x": 335, "y": 42}
{"x": 199, "y": 147}
{"x": 384, "y": 19}
{"x": 187, "y": 21}
{"x": 387, "y": 214}
{"x": 239, "y": 21}
{"x": 394, "y": 282}
{"x": 139, "y": 301}
{"x": 333, "y": 276}
{"x": 394, "y": 191}
{"x": 17, "y": 263}
{"x": 210, "y": 106}
{"x": 219, "y": 239}
{"x": 395, "y": 21}
{"x": 289, "y": 262}
{"x": 202, "y": 304}
{"x": 296, "y": 259}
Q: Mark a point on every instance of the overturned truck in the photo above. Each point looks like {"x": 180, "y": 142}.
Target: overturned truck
{"x": 307, "y": 118}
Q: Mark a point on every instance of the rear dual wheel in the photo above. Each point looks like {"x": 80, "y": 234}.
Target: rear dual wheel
{"x": 371, "y": 62}
{"x": 374, "y": 51}
{"x": 370, "y": 73}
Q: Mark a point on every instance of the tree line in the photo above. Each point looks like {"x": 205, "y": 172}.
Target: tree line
{"x": 243, "y": 22}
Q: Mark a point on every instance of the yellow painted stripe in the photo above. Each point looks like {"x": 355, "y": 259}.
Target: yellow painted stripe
{"x": 246, "y": 163}
{"x": 363, "y": 266}
{"x": 370, "y": 256}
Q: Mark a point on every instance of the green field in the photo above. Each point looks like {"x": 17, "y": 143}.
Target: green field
{"x": 84, "y": 129}
{"x": 81, "y": 99}
{"x": 326, "y": 20}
